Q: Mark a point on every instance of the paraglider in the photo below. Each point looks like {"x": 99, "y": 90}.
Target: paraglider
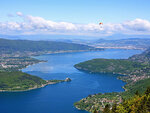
{"x": 100, "y": 23}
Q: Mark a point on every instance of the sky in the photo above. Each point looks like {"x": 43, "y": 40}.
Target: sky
{"x": 75, "y": 17}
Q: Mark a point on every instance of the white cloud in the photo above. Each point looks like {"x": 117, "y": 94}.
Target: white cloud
{"x": 19, "y": 13}
{"x": 137, "y": 25}
{"x": 39, "y": 25}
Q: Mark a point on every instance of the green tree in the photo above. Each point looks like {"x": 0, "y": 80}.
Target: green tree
{"x": 137, "y": 93}
{"x": 95, "y": 111}
{"x": 114, "y": 108}
{"x": 147, "y": 91}
{"x": 148, "y": 104}
{"x": 107, "y": 109}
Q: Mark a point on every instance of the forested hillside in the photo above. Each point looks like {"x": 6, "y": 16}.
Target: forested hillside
{"x": 35, "y": 46}
{"x": 11, "y": 81}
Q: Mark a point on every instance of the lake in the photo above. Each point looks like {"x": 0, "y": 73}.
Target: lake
{"x": 59, "y": 98}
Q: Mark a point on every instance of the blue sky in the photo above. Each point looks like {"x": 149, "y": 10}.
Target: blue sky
{"x": 77, "y": 11}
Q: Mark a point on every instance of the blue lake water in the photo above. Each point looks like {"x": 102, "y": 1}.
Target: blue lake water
{"x": 59, "y": 98}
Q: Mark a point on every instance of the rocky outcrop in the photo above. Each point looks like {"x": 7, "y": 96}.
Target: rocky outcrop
{"x": 67, "y": 80}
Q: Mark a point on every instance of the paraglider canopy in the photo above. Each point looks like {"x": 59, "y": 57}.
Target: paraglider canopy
{"x": 100, "y": 23}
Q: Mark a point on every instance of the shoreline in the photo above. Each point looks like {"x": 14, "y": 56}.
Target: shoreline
{"x": 33, "y": 88}
{"x": 32, "y": 64}
{"x": 119, "y": 95}
{"x": 67, "y": 51}
{"x": 56, "y": 52}
{"x": 126, "y": 48}
{"x": 115, "y": 75}
{"x": 42, "y": 61}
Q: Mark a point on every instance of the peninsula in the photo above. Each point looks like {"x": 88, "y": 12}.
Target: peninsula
{"x": 19, "y": 81}
{"x": 17, "y": 54}
{"x": 135, "y": 71}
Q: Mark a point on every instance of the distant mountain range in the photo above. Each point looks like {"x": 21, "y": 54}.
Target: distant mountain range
{"x": 72, "y": 37}
{"x": 113, "y": 41}
{"x": 7, "y": 46}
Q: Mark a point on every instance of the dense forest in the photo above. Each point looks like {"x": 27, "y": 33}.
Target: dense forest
{"x": 110, "y": 66}
{"x": 13, "y": 81}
